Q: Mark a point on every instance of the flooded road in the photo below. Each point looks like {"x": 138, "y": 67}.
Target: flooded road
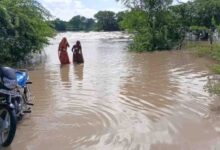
{"x": 120, "y": 100}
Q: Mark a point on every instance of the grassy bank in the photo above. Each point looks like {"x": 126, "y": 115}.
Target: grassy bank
{"x": 204, "y": 49}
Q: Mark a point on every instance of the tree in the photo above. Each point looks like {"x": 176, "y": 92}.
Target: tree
{"x": 77, "y": 23}
{"x": 152, "y": 23}
{"x": 205, "y": 11}
{"x": 89, "y": 24}
{"x": 81, "y": 23}
{"x": 200, "y": 17}
{"x": 106, "y": 20}
{"x": 184, "y": 14}
{"x": 59, "y": 25}
{"x": 23, "y": 29}
{"x": 119, "y": 18}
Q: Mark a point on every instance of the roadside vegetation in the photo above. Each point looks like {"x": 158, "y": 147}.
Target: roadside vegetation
{"x": 161, "y": 25}
{"x": 23, "y": 29}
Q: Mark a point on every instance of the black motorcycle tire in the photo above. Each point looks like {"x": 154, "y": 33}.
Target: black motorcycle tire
{"x": 13, "y": 124}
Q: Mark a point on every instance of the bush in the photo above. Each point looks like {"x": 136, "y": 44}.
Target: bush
{"x": 160, "y": 34}
{"x": 23, "y": 29}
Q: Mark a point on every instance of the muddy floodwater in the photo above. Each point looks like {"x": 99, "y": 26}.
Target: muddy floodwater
{"x": 120, "y": 100}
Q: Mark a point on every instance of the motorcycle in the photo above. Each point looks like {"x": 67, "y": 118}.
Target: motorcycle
{"x": 14, "y": 101}
{"x": 24, "y": 90}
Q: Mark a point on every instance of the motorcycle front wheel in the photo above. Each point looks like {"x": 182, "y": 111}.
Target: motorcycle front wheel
{"x": 7, "y": 125}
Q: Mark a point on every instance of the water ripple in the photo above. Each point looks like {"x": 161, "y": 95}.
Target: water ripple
{"x": 119, "y": 100}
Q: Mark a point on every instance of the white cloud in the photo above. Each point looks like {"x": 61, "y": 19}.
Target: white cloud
{"x": 66, "y": 9}
{"x": 180, "y": 1}
{"x": 57, "y": 1}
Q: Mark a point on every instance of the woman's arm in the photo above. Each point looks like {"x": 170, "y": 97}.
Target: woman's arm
{"x": 80, "y": 50}
{"x": 58, "y": 52}
{"x": 67, "y": 44}
{"x": 73, "y": 48}
{"x": 59, "y": 49}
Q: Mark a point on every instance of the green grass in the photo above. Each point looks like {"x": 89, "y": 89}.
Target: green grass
{"x": 216, "y": 69}
{"x": 214, "y": 88}
{"x": 204, "y": 49}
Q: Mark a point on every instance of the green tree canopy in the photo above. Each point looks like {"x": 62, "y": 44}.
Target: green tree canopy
{"x": 77, "y": 23}
{"x": 153, "y": 24}
{"x": 161, "y": 25}
{"x": 89, "y": 24}
{"x": 200, "y": 17}
{"x": 120, "y": 16}
{"x": 81, "y": 23}
{"x": 23, "y": 29}
{"x": 59, "y": 25}
{"x": 205, "y": 11}
{"x": 106, "y": 20}
{"x": 198, "y": 13}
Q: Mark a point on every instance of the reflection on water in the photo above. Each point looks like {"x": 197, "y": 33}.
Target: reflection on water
{"x": 64, "y": 73}
{"x": 118, "y": 100}
{"x": 78, "y": 71}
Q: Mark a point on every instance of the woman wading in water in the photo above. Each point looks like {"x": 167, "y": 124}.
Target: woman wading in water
{"x": 77, "y": 53}
{"x": 62, "y": 51}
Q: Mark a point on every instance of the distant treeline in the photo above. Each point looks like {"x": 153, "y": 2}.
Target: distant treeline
{"x": 104, "y": 21}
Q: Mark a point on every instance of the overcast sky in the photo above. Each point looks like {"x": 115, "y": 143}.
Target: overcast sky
{"x": 66, "y": 9}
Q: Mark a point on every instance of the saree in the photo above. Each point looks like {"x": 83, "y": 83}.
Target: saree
{"x": 78, "y": 56}
{"x": 64, "y": 58}
{"x": 62, "y": 52}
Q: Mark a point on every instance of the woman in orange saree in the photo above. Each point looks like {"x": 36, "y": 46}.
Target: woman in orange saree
{"x": 62, "y": 51}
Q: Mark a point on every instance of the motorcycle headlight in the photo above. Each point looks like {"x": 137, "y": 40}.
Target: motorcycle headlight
{"x": 10, "y": 84}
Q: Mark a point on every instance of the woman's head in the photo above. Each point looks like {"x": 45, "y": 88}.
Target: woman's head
{"x": 78, "y": 43}
{"x": 63, "y": 43}
{"x": 64, "y": 40}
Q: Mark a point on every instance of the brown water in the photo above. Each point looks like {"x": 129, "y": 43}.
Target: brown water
{"x": 120, "y": 101}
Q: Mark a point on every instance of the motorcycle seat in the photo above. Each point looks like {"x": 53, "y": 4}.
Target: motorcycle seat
{"x": 8, "y": 73}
